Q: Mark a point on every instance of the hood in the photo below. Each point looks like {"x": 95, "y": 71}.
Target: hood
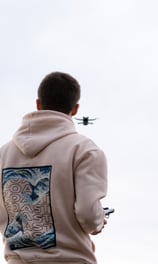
{"x": 41, "y": 128}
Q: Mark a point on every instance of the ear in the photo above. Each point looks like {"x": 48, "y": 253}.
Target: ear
{"x": 74, "y": 110}
{"x": 38, "y": 104}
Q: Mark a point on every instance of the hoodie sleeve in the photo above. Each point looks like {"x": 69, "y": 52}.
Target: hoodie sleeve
{"x": 91, "y": 187}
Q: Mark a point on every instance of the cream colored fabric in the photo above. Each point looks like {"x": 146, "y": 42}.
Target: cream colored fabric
{"x": 17, "y": 261}
{"x": 53, "y": 180}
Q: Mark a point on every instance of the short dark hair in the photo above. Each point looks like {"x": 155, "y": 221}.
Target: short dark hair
{"x": 59, "y": 91}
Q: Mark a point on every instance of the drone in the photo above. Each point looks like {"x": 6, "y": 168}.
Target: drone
{"x": 85, "y": 120}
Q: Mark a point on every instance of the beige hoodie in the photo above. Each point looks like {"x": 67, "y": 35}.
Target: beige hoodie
{"x": 52, "y": 180}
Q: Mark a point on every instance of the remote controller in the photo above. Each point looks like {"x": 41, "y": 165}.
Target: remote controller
{"x": 108, "y": 211}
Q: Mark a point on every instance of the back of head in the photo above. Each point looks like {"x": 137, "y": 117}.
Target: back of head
{"x": 59, "y": 91}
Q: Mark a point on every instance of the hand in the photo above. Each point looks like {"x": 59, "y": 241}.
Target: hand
{"x": 97, "y": 232}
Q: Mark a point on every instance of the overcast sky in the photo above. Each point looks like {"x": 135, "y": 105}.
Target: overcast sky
{"x": 111, "y": 48}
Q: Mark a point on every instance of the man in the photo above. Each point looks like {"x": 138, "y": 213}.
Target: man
{"x": 52, "y": 180}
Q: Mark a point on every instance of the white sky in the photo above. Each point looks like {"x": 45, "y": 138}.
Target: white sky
{"x": 111, "y": 48}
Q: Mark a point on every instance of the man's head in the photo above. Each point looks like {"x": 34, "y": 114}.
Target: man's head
{"x": 60, "y": 92}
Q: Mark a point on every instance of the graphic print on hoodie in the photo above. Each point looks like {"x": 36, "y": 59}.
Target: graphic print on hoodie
{"x": 26, "y": 193}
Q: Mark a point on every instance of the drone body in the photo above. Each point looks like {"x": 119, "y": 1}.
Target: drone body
{"x": 85, "y": 120}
